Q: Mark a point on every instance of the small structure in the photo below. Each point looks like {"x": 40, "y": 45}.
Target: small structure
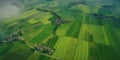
{"x": 44, "y": 49}
{"x": 13, "y": 37}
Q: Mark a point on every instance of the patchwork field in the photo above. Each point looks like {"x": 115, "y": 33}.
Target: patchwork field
{"x": 86, "y": 30}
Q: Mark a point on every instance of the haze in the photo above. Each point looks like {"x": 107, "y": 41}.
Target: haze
{"x": 7, "y": 9}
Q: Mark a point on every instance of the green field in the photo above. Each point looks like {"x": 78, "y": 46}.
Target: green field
{"x": 91, "y": 33}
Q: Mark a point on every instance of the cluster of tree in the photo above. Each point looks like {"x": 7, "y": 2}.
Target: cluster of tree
{"x": 101, "y": 16}
{"x": 12, "y": 37}
{"x": 44, "y": 49}
{"x": 107, "y": 6}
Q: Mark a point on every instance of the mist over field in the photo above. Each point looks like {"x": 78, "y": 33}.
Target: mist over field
{"x": 9, "y": 9}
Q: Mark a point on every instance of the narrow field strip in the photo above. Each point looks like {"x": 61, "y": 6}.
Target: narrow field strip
{"x": 71, "y": 49}
{"x": 82, "y": 31}
{"x": 107, "y": 40}
{"x": 61, "y": 47}
{"x": 81, "y": 50}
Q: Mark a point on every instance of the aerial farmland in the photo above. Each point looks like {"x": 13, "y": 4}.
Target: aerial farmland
{"x": 60, "y": 30}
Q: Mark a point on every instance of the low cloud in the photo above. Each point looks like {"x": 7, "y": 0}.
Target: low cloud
{"x": 9, "y": 8}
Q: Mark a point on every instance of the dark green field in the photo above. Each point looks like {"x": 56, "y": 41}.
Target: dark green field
{"x": 90, "y": 30}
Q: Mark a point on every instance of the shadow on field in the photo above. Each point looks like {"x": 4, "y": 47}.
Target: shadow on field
{"x": 18, "y": 55}
{"x": 103, "y": 52}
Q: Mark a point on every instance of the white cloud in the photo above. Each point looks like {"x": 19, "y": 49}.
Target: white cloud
{"x": 8, "y": 10}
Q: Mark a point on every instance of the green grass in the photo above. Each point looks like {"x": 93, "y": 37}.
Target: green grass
{"x": 43, "y": 57}
{"x": 18, "y": 45}
{"x": 102, "y": 52}
{"x": 21, "y": 54}
{"x": 47, "y": 31}
{"x": 5, "y": 49}
{"x": 34, "y": 56}
{"x": 71, "y": 49}
{"x": 52, "y": 41}
{"x": 61, "y": 47}
{"x": 61, "y": 31}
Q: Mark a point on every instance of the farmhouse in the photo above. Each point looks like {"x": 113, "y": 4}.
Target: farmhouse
{"x": 44, "y": 49}
{"x": 13, "y": 37}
